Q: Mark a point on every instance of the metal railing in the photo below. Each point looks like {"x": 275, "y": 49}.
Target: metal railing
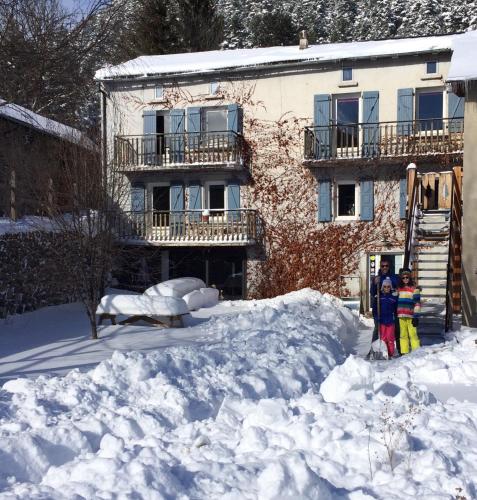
{"x": 190, "y": 226}
{"x": 411, "y": 216}
{"x": 188, "y": 148}
{"x": 384, "y": 139}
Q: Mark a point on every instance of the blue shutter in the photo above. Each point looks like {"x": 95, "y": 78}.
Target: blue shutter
{"x": 324, "y": 201}
{"x": 235, "y": 118}
{"x": 233, "y": 201}
{"x": 234, "y": 122}
{"x": 402, "y": 198}
{"x": 405, "y": 111}
{"x": 150, "y": 141}
{"x": 195, "y": 201}
{"x": 367, "y": 200}
{"x": 177, "y": 143}
{"x": 371, "y": 141}
{"x": 138, "y": 205}
{"x": 322, "y": 115}
{"x": 193, "y": 127}
{"x": 455, "y": 105}
{"x": 138, "y": 197}
{"x": 177, "y": 209}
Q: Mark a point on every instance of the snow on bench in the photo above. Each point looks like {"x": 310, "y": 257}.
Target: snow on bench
{"x": 177, "y": 287}
{"x": 205, "y": 297}
{"x": 141, "y": 307}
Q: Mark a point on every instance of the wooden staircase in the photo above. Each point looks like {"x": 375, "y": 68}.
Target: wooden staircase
{"x": 433, "y": 251}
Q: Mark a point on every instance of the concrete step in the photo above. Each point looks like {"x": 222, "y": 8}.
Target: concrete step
{"x": 428, "y": 265}
{"x": 432, "y": 282}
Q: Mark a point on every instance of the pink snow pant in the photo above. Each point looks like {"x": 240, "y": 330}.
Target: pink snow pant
{"x": 386, "y": 334}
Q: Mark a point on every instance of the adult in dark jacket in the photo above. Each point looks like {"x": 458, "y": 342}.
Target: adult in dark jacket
{"x": 377, "y": 281}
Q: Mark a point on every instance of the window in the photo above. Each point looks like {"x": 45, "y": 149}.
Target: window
{"x": 429, "y": 110}
{"x": 347, "y": 74}
{"x": 217, "y": 199}
{"x": 347, "y": 118}
{"x": 213, "y": 88}
{"x": 214, "y": 119}
{"x": 431, "y": 67}
{"x": 159, "y": 92}
{"x": 346, "y": 200}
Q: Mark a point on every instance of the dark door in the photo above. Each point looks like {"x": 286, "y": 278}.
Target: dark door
{"x": 161, "y": 205}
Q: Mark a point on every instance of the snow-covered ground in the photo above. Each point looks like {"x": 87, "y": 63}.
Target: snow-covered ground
{"x": 255, "y": 399}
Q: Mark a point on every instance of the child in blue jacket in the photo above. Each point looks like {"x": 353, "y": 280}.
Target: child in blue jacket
{"x": 385, "y": 315}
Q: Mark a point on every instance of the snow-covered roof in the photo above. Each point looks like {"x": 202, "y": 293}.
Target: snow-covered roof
{"x": 463, "y": 65}
{"x": 41, "y": 123}
{"x": 217, "y": 60}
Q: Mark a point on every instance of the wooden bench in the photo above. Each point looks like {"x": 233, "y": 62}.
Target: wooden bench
{"x": 141, "y": 317}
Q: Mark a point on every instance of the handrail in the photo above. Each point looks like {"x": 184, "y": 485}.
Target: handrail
{"x": 455, "y": 239}
{"x": 384, "y": 139}
{"x": 235, "y": 225}
{"x": 184, "y": 148}
{"x": 412, "y": 211}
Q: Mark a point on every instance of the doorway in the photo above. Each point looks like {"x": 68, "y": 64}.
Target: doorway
{"x": 161, "y": 206}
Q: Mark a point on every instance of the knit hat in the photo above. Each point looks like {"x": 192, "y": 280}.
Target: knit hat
{"x": 386, "y": 282}
{"x": 405, "y": 270}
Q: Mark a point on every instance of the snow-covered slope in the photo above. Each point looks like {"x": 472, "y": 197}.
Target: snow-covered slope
{"x": 271, "y": 409}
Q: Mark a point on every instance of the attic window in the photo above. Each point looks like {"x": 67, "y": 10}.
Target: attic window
{"x": 347, "y": 74}
{"x": 159, "y": 92}
{"x": 213, "y": 88}
{"x": 431, "y": 67}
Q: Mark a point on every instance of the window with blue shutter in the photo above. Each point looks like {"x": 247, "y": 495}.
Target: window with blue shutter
{"x": 367, "y": 200}
{"x": 150, "y": 138}
{"x": 324, "y": 201}
{"x": 405, "y": 111}
{"x": 233, "y": 201}
{"x": 176, "y": 226}
{"x": 370, "y": 147}
{"x": 177, "y": 143}
{"x": 321, "y": 122}
{"x": 193, "y": 127}
{"x": 455, "y": 106}
{"x": 195, "y": 201}
{"x": 402, "y": 198}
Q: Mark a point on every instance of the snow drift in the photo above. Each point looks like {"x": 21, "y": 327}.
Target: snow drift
{"x": 269, "y": 408}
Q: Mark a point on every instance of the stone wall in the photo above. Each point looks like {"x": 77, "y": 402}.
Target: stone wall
{"x": 37, "y": 269}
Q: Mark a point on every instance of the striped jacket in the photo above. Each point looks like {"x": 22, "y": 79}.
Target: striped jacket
{"x": 409, "y": 302}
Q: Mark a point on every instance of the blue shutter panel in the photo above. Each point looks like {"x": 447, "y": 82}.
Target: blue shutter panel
{"x": 233, "y": 201}
{"x": 138, "y": 197}
{"x": 150, "y": 141}
{"x": 193, "y": 127}
{"x": 405, "y": 111}
{"x": 195, "y": 201}
{"x": 324, "y": 201}
{"x": 177, "y": 209}
{"x": 177, "y": 142}
{"x": 455, "y": 112}
{"x": 402, "y": 198}
{"x": 322, "y": 115}
{"x": 370, "y": 132}
{"x": 367, "y": 200}
{"x": 235, "y": 118}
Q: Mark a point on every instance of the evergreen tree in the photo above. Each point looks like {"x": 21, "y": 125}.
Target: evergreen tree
{"x": 172, "y": 26}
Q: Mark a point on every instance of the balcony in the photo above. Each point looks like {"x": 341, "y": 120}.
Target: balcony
{"x": 185, "y": 151}
{"x": 189, "y": 228}
{"x": 383, "y": 141}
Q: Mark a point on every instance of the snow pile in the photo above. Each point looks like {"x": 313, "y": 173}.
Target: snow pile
{"x": 184, "y": 421}
{"x": 141, "y": 305}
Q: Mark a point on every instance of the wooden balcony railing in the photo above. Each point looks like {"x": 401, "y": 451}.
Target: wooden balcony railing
{"x": 185, "y": 149}
{"x": 190, "y": 227}
{"x": 385, "y": 139}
